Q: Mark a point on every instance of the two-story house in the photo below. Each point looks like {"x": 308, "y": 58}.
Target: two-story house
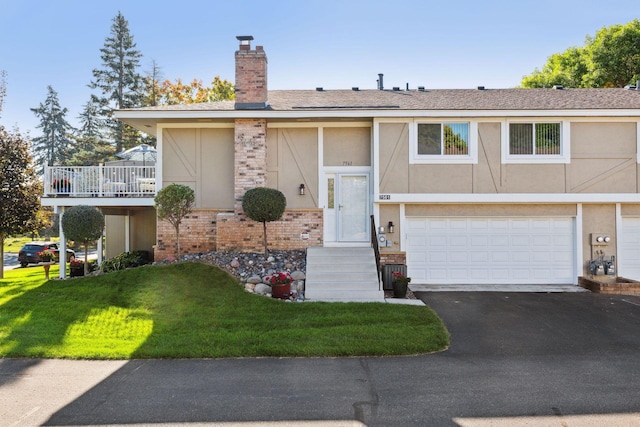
{"x": 467, "y": 186}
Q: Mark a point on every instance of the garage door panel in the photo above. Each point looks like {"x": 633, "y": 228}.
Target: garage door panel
{"x": 493, "y": 250}
{"x": 629, "y": 253}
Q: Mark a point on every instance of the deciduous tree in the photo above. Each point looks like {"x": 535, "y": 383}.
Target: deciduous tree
{"x": 83, "y": 223}
{"x": 609, "y": 59}
{"x": 173, "y": 203}
{"x": 264, "y": 205}
{"x": 19, "y": 187}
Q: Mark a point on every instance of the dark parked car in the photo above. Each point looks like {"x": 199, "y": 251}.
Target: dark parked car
{"x": 29, "y": 254}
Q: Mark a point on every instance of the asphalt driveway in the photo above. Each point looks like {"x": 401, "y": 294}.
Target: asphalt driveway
{"x": 491, "y": 324}
{"x": 515, "y": 359}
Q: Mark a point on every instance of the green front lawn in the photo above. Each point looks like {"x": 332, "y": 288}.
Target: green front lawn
{"x": 192, "y": 310}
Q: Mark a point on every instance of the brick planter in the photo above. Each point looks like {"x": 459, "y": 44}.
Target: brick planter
{"x": 611, "y": 285}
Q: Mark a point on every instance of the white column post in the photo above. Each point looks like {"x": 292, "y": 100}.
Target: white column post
{"x": 127, "y": 232}
{"x": 62, "y": 259}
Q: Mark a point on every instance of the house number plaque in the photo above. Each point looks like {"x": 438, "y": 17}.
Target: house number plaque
{"x": 385, "y": 197}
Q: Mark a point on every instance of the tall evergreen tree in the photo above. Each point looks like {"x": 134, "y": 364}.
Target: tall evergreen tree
{"x": 3, "y": 88}
{"x": 90, "y": 145}
{"x": 53, "y": 146}
{"x": 119, "y": 82}
{"x": 19, "y": 187}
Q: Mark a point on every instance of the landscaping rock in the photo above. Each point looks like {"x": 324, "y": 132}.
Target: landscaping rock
{"x": 254, "y": 279}
{"x": 262, "y": 289}
{"x": 298, "y": 275}
{"x": 249, "y": 287}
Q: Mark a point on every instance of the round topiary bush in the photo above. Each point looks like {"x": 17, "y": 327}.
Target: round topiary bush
{"x": 264, "y": 205}
{"x": 84, "y": 224}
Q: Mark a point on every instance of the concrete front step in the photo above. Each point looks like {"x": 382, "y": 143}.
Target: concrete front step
{"x": 342, "y": 274}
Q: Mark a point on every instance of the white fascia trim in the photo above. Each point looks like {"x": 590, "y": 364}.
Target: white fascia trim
{"x": 375, "y": 166}
{"x": 392, "y": 113}
{"x": 358, "y": 124}
{"x": 195, "y": 125}
{"x": 465, "y": 198}
{"x": 347, "y": 169}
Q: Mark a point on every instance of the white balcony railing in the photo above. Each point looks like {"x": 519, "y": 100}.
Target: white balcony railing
{"x": 100, "y": 181}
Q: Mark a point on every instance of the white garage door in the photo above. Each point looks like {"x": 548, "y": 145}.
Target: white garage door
{"x": 629, "y": 244}
{"x": 491, "y": 250}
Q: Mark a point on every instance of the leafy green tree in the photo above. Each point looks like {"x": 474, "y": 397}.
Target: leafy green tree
{"x": 119, "y": 81}
{"x": 53, "y": 146}
{"x": 609, "y": 59}
{"x": 264, "y": 205}
{"x": 615, "y": 55}
{"x": 568, "y": 69}
{"x": 173, "y": 203}
{"x": 83, "y": 223}
{"x": 19, "y": 187}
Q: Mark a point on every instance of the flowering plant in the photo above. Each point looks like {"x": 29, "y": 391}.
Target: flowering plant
{"x": 46, "y": 254}
{"x": 398, "y": 277}
{"x": 76, "y": 262}
{"x": 278, "y": 279}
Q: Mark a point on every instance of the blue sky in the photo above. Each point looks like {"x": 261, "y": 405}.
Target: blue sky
{"x": 309, "y": 43}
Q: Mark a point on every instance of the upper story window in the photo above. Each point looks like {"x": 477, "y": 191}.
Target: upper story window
{"x": 444, "y": 142}
{"x": 537, "y": 139}
{"x": 536, "y": 142}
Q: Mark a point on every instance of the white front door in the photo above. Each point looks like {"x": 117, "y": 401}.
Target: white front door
{"x": 347, "y": 210}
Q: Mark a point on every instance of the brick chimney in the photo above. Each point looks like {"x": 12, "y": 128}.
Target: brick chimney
{"x": 251, "y": 76}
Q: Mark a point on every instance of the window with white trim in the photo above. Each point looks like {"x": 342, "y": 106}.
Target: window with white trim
{"x": 535, "y": 139}
{"x": 444, "y": 142}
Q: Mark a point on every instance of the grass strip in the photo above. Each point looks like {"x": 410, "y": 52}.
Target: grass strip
{"x": 192, "y": 310}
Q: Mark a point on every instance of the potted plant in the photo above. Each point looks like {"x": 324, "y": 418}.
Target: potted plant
{"x": 46, "y": 255}
{"x": 76, "y": 268}
{"x": 61, "y": 185}
{"x": 280, "y": 284}
{"x": 400, "y": 284}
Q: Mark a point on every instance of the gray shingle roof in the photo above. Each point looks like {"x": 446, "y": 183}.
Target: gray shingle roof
{"x": 437, "y": 99}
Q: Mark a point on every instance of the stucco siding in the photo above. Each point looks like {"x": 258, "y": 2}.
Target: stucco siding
{"x": 600, "y": 219}
{"x": 394, "y": 157}
{"x": 603, "y": 158}
{"x": 292, "y": 159}
{"x": 347, "y": 146}
{"x": 143, "y": 230}
{"x": 485, "y": 210}
{"x": 202, "y": 159}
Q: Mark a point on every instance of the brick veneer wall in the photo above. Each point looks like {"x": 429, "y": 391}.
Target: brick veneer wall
{"x": 251, "y": 76}
{"x": 393, "y": 258}
{"x": 198, "y": 233}
{"x": 250, "y": 157}
{"x": 238, "y": 233}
